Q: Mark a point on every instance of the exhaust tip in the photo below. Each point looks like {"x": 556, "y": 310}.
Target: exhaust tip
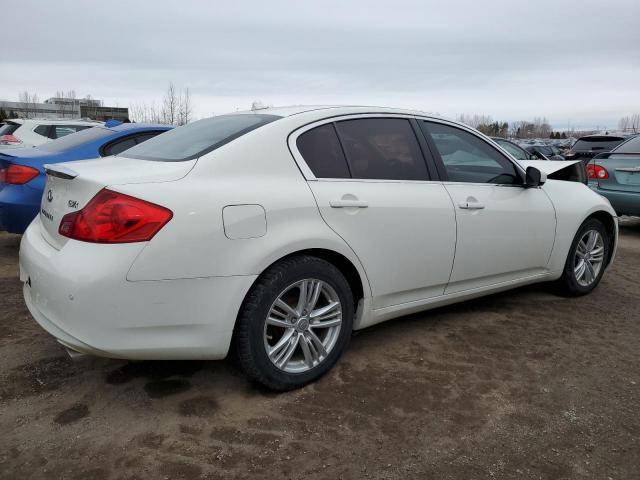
{"x": 74, "y": 354}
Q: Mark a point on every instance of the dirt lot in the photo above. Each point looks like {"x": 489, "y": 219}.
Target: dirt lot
{"x": 517, "y": 385}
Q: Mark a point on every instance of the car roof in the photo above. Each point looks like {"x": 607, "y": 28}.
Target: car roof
{"x": 141, "y": 126}
{"x": 56, "y": 121}
{"x": 288, "y": 111}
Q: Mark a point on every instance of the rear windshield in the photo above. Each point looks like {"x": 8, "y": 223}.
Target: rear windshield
{"x": 197, "y": 138}
{"x": 8, "y": 128}
{"x": 76, "y": 139}
{"x": 596, "y": 144}
{"x": 631, "y": 146}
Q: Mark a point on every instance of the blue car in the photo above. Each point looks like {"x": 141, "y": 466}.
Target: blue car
{"x": 22, "y": 176}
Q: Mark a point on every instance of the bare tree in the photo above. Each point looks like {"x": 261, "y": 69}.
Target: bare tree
{"x": 170, "y": 105}
{"x": 176, "y": 108}
{"x": 630, "y": 123}
{"x": 184, "y": 107}
{"x": 145, "y": 113}
{"x": 475, "y": 120}
{"x": 28, "y": 101}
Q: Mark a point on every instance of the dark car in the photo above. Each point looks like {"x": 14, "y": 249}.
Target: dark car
{"x": 589, "y": 146}
{"x": 546, "y": 150}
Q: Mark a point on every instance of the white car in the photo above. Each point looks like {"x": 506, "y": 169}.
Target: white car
{"x": 280, "y": 231}
{"x": 27, "y": 132}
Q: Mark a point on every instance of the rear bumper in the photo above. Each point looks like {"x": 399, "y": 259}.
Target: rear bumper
{"x": 624, "y": 203}
{"x": 19, "y": 205}
{"x": 80, "y": 295}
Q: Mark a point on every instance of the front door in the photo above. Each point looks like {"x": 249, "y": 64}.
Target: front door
{"x": 505, "y": 232}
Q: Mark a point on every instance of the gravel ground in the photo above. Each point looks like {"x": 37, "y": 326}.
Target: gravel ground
{"x": 521, "y": 384}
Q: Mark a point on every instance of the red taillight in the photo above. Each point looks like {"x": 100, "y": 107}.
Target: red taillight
{"x": 597, "y": 172}
{"x": 17, "y": 174}
{"x": 8, "y": 139}
{"x": 112, "y": 217}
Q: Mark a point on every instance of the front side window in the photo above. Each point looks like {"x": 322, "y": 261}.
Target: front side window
{"x": 198, "y": 138}
{"x": 382, "y": 148}
{"x": 468, "y": 158}
{"x": 60, "y": 131}
{"x": 322, "y": 152}
{"x": 42, "y": 130}
{"x": 515, "y": 151}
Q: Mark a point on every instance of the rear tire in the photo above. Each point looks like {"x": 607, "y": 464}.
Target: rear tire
{"x": 294, "y": 323}
{"x": 586, "y": 261}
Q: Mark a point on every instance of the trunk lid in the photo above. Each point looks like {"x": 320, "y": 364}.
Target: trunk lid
{"x": 624, "y": 172}
{"x": 70, "y": 186}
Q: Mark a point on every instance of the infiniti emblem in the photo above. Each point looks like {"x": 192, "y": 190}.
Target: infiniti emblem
{"x": 50, "y": 195}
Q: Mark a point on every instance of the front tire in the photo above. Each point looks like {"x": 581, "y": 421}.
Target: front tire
{"x": 294, "y": 323}
{"x": 586, "y": 261}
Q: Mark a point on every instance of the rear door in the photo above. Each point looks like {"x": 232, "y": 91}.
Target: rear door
{"x": 372, "y": 184}
{"x": 505, "y": 232}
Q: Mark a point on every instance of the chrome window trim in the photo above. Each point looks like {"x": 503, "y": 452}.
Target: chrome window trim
{"x": 309, "y": 175}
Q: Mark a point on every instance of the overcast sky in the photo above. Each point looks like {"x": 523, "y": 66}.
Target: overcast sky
{"x": 575, "y": 62}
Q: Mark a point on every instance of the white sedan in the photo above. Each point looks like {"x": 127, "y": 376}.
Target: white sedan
{"x": 278, "y": 232}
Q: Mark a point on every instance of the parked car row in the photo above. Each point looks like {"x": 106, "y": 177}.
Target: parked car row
{"x": 276, "y": 233}
{"x": 28, "y": 133}
{"x": 22, "y": 176}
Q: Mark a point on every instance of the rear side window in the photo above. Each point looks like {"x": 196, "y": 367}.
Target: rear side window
{"x": 42, "y": 130}
{"x": 467, "y": 158}
{"x": 321, "y": 149}
{"x": 630, "y": 146}
{"x": 119, "y": 146}
{"x": 382, "y": 148}
{"x": 59, "y": 131}
{"x": 198, "y": 138}
{"x": 79, "y": 138}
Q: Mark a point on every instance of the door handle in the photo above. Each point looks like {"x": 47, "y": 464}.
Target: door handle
{"x": 348, "y": 203}
{"x": 471, "y": 205}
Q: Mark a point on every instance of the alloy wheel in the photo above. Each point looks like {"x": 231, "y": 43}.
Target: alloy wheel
{"x": 303, "y": 325}
{"x": 589, "y": 258}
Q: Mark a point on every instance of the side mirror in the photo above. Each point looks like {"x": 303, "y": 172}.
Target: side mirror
{"x": 534, "y": 178}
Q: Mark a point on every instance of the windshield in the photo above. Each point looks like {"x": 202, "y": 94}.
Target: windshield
{"x": 75, "y": 139}
{"x": 197, "y": 138}
{"x": 630, "y": 146}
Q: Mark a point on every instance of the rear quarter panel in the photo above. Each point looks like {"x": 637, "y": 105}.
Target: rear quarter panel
{"x": 257, "y": 169}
